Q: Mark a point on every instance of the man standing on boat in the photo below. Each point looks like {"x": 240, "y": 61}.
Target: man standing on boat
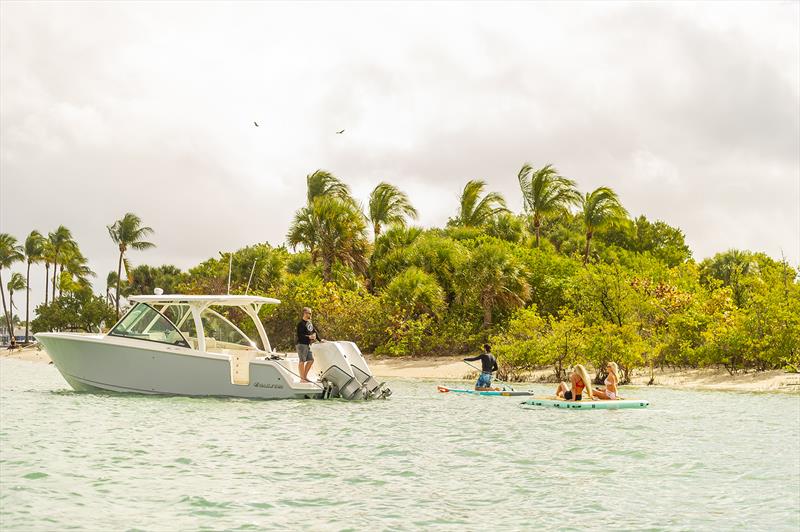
{"x": 306, "y": 335}
{"x": 488, "y": 365}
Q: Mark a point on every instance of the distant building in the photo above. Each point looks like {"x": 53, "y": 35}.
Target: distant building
{"x": 19, "y": 335}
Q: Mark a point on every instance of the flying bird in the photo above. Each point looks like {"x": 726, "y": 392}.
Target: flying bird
{"x": 256, "y": 123}
{"x": 340, "y": 132}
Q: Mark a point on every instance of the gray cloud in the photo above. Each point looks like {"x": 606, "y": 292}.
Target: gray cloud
{"x": 692, "y": 112}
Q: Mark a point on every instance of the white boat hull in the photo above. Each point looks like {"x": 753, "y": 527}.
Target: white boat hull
{"x": 104, "y": 363}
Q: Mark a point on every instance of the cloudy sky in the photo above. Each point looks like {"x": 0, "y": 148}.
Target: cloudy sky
{"x": 690, "y": 111}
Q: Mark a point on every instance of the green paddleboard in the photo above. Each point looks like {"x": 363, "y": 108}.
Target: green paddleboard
{"x": 586, "y": 404}
{"x": 499, "y": 393}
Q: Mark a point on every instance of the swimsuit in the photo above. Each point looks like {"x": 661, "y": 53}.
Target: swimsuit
{"x": 609, "y": 393}
{"x": 579, "y": 386}
{"x": 484, "y": 380}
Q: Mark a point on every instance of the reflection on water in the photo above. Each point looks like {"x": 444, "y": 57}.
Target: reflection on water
{"x": 693, "y": 460}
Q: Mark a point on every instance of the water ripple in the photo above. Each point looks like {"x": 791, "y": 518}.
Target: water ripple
{"x": 422, "y": 460}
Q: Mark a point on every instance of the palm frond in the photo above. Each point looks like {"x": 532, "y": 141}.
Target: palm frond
{"x": 10, "y": 250}
{"x": 389, "y": 206}
{"x": 323, "y": 183}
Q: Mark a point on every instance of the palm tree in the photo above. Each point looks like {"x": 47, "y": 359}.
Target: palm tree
{"x": 128, "y": 233}
{"x": 10, "y": 252}
{"x": 731, "y": 267}
{"x": 600, "y": 208}
{"x": 496, "y": 278}
{"x": 389, "y": 206}
{"x": 331, "y": 226}
{"x": 15, "y": 284}
{"x": 333, "y": 231}
{"x": 34, "y": 250}
{"x": 544, "y": 193}
{"x": 48, "y": 255}
{"x": 475, "y": 211}
{"x": 303, "y": 231}
{"x": 61, "y": 240}
{"x": 111, "y": 280}
{"x": 76, "y": 265}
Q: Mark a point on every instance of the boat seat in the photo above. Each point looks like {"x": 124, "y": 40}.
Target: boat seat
{"x": 172, "y": 337}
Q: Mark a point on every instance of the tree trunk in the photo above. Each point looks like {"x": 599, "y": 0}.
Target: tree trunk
{"x": 327, "y": 269}
{"x": 487, "y": 312}
{"x": 55, "y": 270}
{"x": 60, "y": 271}
{"x": 586, "y": 250}
{"x": 537, "y": 223}
{"x": 27, "y": 301}
{"x": 625, "y": 378}
{"x": 46, "y": 282}
{"x": 377, "y": 231}
{"x": 119, "y": 274}
{"x": 5, "y": 312}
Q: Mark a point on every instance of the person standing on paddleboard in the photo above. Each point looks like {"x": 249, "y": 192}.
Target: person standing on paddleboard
{"x": 307, "y": 334}
{"x": 488, "y": 366}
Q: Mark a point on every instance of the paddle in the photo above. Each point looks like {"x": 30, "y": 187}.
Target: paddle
{"x": 481, "y": 371}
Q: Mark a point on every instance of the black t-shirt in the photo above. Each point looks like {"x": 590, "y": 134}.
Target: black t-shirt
{"x": 488, "y": 362}
{"x": 304, "y": 330}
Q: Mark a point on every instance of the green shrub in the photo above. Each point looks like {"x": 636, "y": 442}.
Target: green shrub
{"x": 412, "y": 294}
{"x": 406, "y": 336}
{"x": 74, "y": 311}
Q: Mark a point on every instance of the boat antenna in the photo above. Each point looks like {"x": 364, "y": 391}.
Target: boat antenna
{"x": 230, "y": 266}
{"x": 251, "y": 276}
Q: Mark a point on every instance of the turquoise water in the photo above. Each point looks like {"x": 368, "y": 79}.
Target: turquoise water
{"x": 421, "y": 460}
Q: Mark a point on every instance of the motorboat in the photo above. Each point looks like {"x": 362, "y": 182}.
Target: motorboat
{"x": 185, "y": 345}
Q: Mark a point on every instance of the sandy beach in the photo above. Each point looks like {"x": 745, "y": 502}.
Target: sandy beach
{"x": 701, "y": 379}
{"x": 453, "y": 368}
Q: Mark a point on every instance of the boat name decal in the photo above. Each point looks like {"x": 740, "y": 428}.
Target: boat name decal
{"x": 262, "y": 385}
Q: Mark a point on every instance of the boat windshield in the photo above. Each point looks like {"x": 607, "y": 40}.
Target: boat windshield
{"x": 222, "y": 331}
{"x": 144, "y": 322}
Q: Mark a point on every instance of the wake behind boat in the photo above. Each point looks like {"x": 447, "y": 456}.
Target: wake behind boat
{"x": 181, "y": 345}
{"x": 503, "y": 393}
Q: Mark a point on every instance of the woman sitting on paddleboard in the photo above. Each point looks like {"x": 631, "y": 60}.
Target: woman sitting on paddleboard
{"x": 579, "y": 381}
{"x": 611, "y": 383}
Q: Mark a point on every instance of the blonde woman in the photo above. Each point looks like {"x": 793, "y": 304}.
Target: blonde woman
{"x": 610, "y": 393}
{"x": 579, "y": 380}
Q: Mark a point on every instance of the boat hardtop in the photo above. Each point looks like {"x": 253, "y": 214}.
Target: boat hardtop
{"x": 226, "y": 300}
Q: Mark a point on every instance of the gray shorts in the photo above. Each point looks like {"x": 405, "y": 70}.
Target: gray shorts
{"x": 304, "y": 353}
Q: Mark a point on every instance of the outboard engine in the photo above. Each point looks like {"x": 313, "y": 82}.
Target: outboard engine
{"x": 335, "y": 370}
{"x": 372, "y": 388}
